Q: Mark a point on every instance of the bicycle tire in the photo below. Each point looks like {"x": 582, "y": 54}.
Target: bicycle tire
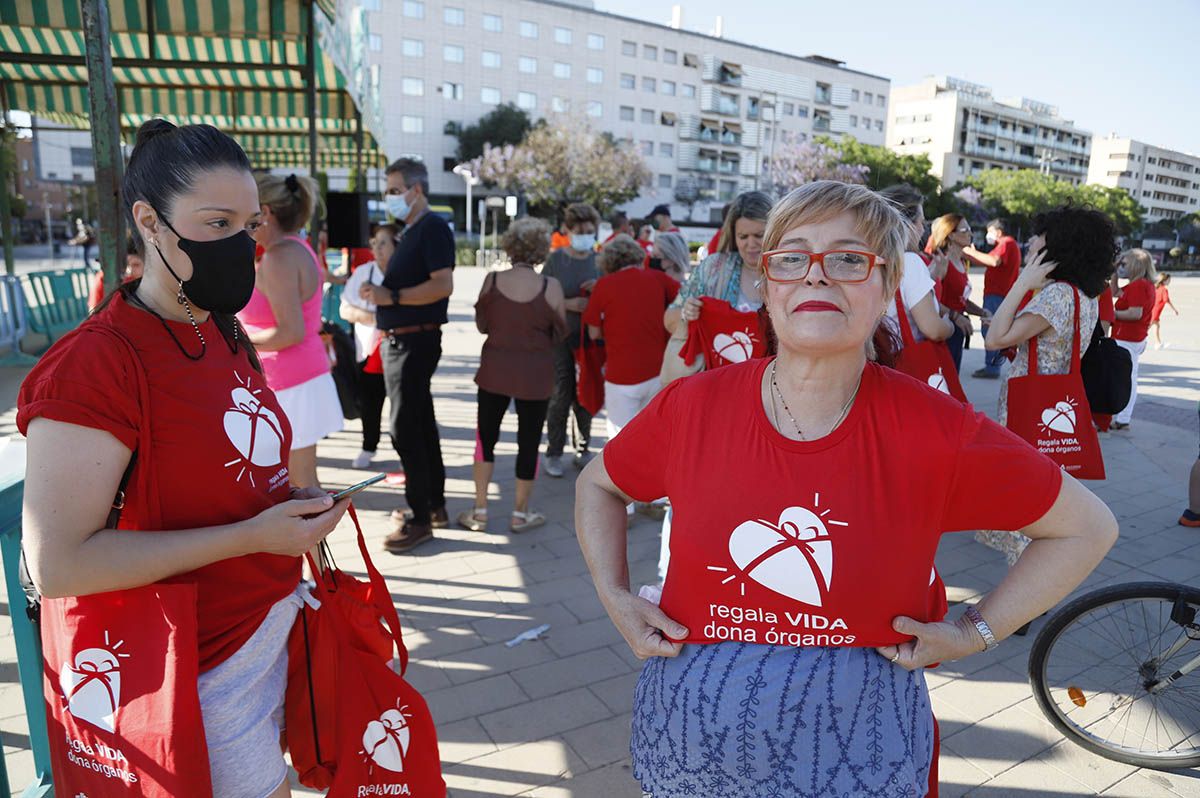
{"x": 1041, "y": 655}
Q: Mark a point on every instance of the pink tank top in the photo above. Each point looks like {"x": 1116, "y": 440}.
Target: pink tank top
{"x": 300, "y": 362}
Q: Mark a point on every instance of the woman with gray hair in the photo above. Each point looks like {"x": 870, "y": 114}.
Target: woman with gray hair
{"x": 787, "y": 654}
{"x": 671, "y": 252}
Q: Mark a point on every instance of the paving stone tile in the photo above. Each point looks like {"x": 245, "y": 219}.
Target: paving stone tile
{"x": 566, "y": 673}
{"x": 513, "y": 771}
{"x": 544, "y": 717}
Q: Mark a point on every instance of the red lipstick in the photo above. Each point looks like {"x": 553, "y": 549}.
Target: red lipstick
{"x": 817, "y": 306}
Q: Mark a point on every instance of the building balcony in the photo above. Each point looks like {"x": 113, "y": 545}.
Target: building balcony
{"x": 821, "y": 124}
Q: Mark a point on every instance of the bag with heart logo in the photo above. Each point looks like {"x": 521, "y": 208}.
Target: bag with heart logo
{"x": 123, "y": 708}
{"x": 355, "y": 726}
{"x": 928, "y": 361}
{"x": 1051, "y": 412}
{"x": 589, "y": 374}
{"x": 720, "y": 337}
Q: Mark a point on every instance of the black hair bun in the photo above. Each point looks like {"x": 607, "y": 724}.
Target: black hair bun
{"x": 292, "y": 184}
{"x": 152, "y": 128}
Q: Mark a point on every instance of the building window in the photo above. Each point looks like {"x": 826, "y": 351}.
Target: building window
{"x": 666, "y": 149}
{"x": 452, "y": 128}
{"x": 880, "y": 100}
{"x": 562, "y": 70}
{"x": 670, "y": 56}
{"x": 595, "y": 41}
{"x": 527, "y": 64}
{"x": 453, "y": 54}
{"x": 879, "y": 125}
{"x": 414, "y": 9}
{"x": 413, "y": 87}
{"x": 595, "y": 108}
{"x": 454, "y": 16}
{"x": 375, "y": 42}
{"x": 370, "y": 5}
{"x": 854, "y": 95}
{"x": 526, "y": 100}
{"x": 789, "y": 109}
{"x": 668, "y": 87}
{"x": 647, "y": 116}
{"x": 595, "y": 75}
{"x": 649, "y": 52}
{"x": 489, "y": 96}
{"x": 687, "y": 90}
{"x": 649, "y": 85}
{"x": 491, "y": 59}
{"x": 854, "y": 121}
{"x": 869, "y": 98}
{"x": 412, "y": 124}
{"x": 529, "y": 30}
{"x": 824, "y": 93}
{"x": 647, "y": 148}
{"x": 802, "y": 111}
{"x": 628, "y": 81}
{"x": 413, "y": 48}
{"x": 625, "y": 113}
{"x": 866, "y": 123}
{"x": 562, "y": 35}
{"x": 664, "y": 181}
{"x": 452, "y": 91}
{"x": 492, "y": 23}
{"x": 628, "y": 48}
{"x": 559, "y": 105}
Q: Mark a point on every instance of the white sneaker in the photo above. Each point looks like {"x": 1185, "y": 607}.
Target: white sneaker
{"x": 553, "y": 466}
{"x": 363, "y": 459}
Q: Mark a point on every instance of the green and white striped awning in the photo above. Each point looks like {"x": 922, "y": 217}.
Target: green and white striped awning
{"x": 236, "y": 65}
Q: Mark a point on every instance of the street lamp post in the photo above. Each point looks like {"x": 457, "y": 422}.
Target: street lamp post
{"x": 464, "y": 171}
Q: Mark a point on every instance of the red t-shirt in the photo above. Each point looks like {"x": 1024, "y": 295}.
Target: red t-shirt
{"x": 1162, "y": 295}
{"x": 825, "y": 542}
{"x": 628, "y": 308}
{"x": 954, "y": 289}
{"x": 723, "y": 335}
{"x": 218, "y": 451}
{"x": 1105, "y": 306}
{"x": 1138, "y": 294}
{"x": 997, "y": 280}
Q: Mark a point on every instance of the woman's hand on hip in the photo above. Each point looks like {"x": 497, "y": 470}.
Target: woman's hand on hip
{"x": 644, "y": 626}
{"x": 942, "y": 641}
{"x": 293, "y": 527}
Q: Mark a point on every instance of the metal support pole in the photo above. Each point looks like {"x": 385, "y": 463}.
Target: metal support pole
{"x": 310, "y": 86}
{"x": 360, "y": 180}
{"x": 106, "y": 140}
{"x": 6, "y": 225}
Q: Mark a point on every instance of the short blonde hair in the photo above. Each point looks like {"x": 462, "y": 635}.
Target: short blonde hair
{"x": 1139, "y": 264}
{"x": 293, "y": 199}
{"x": 622, "y": 251}
{"x": 527, "y": 241}
{"x": 879, "y": 222}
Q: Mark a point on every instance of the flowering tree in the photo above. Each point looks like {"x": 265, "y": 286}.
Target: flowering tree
{"x": 797, "y": 162}
{"x": 565, "y": 160}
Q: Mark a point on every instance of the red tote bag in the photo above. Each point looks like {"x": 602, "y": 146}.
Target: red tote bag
{"x": 928, "y": 361}
{"x": 123, "y": 707}
{"x": 374, "y": 732}
{"x": 589, "y": 373}
{"x": 1051, "y": 412}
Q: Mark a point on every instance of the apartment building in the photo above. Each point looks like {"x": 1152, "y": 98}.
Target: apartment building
{"x": 695, "y": 106}
{"x": 1164, "y": 182}
{"x": 965, "y": 130}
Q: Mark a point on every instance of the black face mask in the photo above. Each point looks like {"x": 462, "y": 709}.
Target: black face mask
{"x": 222, "y": 271}
{"x": 656, "y": 263}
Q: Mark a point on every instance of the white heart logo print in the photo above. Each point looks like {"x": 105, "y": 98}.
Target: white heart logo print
{"x": 1060, "y": 418}
{"x": 91, "y": 685}
{"x": 253, "y": 429}
{"x": 736, "y": 348}
{"x": 938, "y": 381}
{"x": 793, "y": 558}
{"x": 386, "y": 740}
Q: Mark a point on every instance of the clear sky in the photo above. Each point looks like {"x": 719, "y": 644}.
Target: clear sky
{"x": 1109, "y": 65}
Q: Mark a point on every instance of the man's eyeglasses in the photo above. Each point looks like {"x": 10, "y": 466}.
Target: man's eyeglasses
{"x": 839, "y": 265}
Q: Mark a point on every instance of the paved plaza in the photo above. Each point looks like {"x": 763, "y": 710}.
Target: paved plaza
{"x": 550, "y": 717}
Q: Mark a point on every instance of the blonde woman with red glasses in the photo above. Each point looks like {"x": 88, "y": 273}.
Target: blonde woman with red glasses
{"x": 786, "y": 656}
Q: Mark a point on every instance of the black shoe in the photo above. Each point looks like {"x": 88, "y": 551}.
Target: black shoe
{"x": 986, "y": 374}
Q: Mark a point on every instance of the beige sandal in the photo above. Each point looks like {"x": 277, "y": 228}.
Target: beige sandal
{"x": 474, "y": 520}
{"x": 524, "y": 521}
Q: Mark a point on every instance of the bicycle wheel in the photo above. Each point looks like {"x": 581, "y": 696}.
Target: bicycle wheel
{"x": 1093, "y": 664}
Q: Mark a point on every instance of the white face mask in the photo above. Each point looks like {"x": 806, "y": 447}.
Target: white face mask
{"x": 397, "y": 206}
{"x": 583, "y": 243}
{"x": 1122, "y": 272}
{"x": 991, "y": 237}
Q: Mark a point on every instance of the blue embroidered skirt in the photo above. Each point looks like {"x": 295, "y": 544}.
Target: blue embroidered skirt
{"x": 739, "y": 719}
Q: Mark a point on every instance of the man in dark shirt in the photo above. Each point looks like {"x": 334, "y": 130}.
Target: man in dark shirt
{"x": 410, "y": 311}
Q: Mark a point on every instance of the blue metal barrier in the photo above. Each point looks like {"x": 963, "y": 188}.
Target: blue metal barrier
{"x": 25, "y": 634}
{"x": 57, "y": 300}
{"x": 13, "y": 321}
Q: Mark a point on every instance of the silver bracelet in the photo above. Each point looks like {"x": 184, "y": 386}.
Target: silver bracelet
{"x": 985, "y": 631}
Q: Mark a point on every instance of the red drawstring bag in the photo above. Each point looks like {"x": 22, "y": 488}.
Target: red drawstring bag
{"x": 589, "y": 373}
{"x": 723, "y": 335}
{"x": 928, "y": 361}
{"x": 371, "y": 731}
{"x": 123, "y": 707}
{"x": 1051, "y": 412}
{"x": 374, "y": 364}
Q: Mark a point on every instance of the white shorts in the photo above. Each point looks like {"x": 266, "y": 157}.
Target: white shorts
{"x": 313, "y": 410}
{"x": 623, "y": 402}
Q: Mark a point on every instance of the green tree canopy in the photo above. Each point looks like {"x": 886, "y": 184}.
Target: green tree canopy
{"x": 505, "y": 124}
{"x": 886, "y": 167}
{"x": 1020, "y": 195}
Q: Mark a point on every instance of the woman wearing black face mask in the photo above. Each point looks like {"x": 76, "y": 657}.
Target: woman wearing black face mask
{"x": 159, "y": 396}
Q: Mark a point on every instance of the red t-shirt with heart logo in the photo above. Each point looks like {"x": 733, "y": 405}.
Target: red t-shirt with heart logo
{"x": 219, "y": 450}
{"x": 723, "y": 335}
{"x": 825, "y": 542}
